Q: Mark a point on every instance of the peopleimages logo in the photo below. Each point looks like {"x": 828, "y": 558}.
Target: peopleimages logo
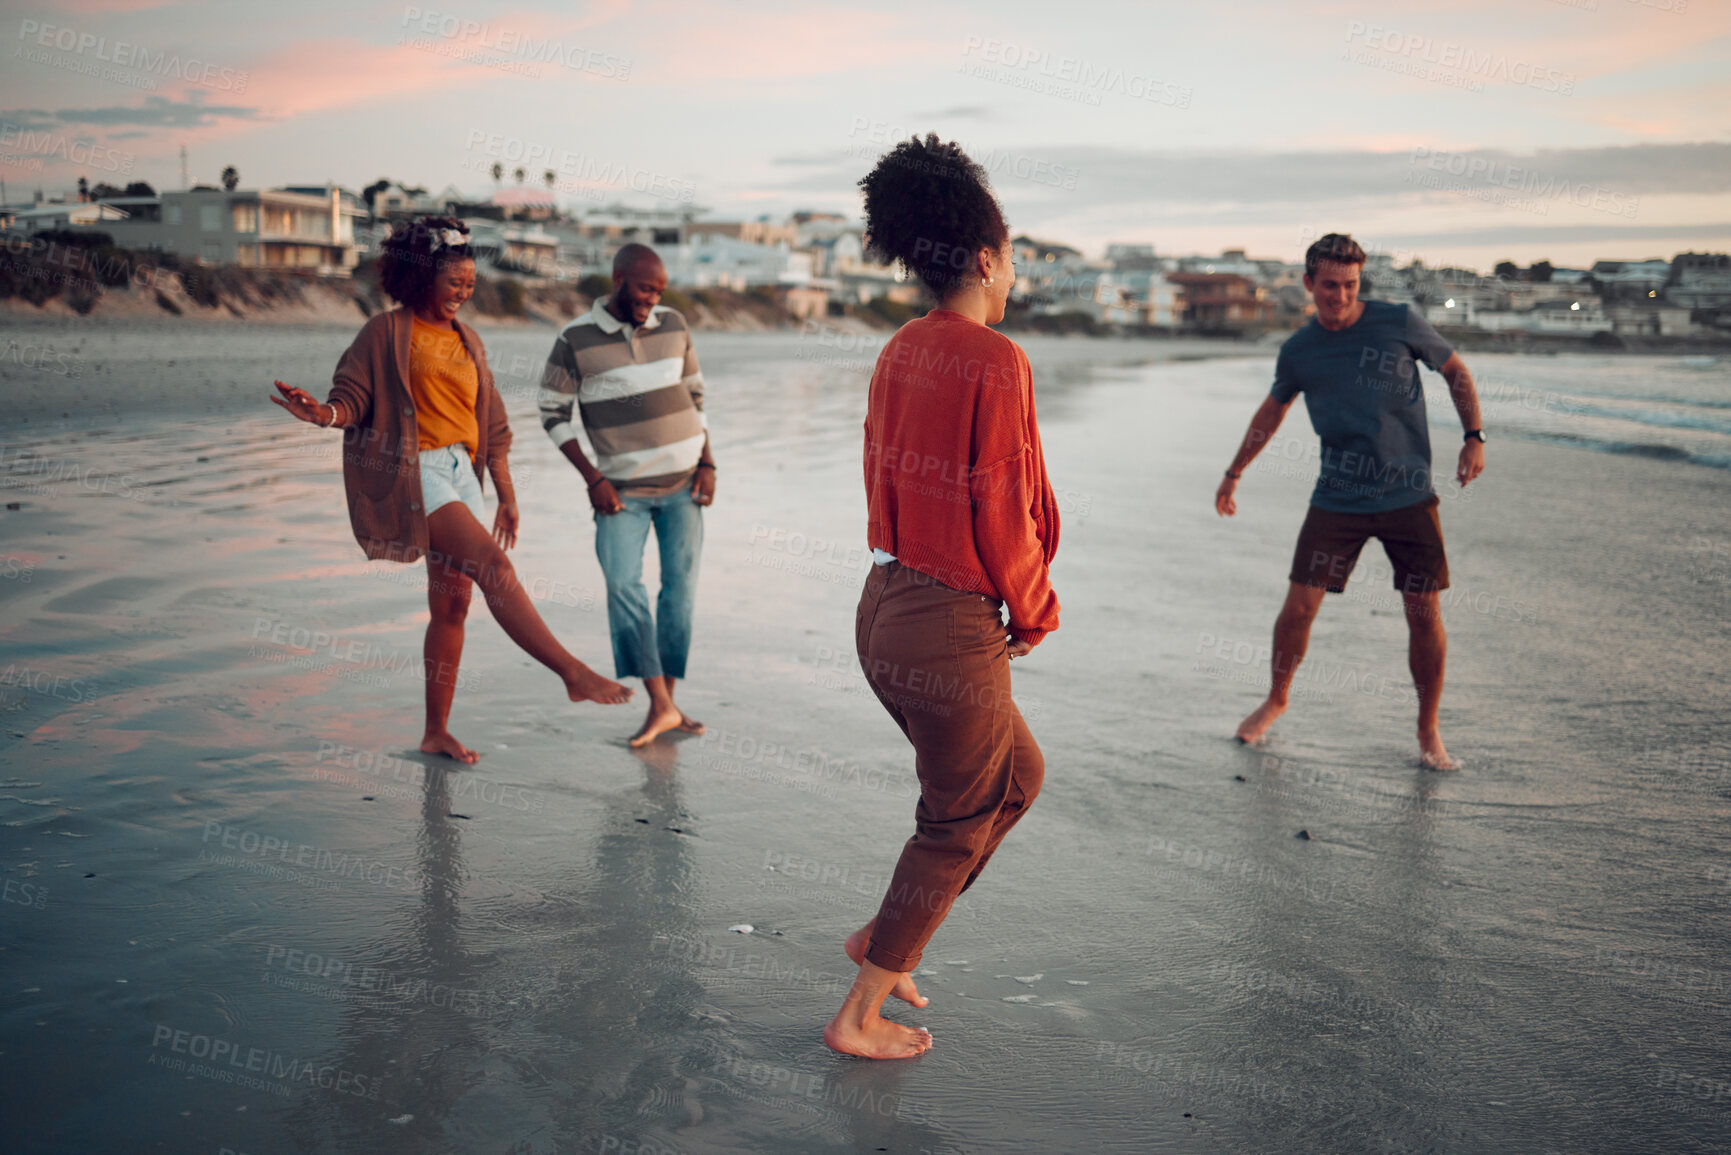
{"x": 227, "y": 1061}
{"x": 124, "y": 54}
{"x": 575, "y": 171}
{"x": 511, "y": 42}
{"x": 1493, "y": 173}
{"x": 1469, "y": 62}
{"x": 39, "y": 145}
{"x": 1070, "y": 77}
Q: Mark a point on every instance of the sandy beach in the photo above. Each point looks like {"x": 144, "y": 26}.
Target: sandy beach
{"x": 243, "y": 914}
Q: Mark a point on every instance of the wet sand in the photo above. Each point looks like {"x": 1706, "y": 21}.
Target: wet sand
{"x": 242, "y": 912}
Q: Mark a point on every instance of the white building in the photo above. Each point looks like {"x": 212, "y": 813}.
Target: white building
{"x": 1582, "y": 316}
{"x": 52, "y": 215}
{"x": 713, "y": 259}
{"x": 1700, "y": 281}
{"x": 1632, "y": 277}
{"x": 255, "y": 228}
{"x": 1653, "y": 320}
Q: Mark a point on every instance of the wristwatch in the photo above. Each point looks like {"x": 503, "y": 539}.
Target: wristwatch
{"x": 1477, "y": 435}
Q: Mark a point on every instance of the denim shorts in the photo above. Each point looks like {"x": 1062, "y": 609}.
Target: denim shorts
{"x": 447, "y": 475}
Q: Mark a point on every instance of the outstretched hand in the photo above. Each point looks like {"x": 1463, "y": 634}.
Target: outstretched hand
{"x": 300, "y": 403}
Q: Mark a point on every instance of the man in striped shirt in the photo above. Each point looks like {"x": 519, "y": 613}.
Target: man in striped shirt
{"x": 629, "y": 367}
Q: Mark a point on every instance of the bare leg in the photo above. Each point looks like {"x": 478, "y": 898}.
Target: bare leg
{"x": 448, "y": 599}
{"x": 1291, "y": 640}
{"x": 857, "y": 1028}
{"x": 663, "y": 714}
{"x": 1426, "y": 654}
{"x": 855, "y": 946}
{"x": 467, "y": 550}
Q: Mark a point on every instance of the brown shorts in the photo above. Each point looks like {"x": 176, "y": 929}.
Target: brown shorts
{"x": 1329, "y": 544}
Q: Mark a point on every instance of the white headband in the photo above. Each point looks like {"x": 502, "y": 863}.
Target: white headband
{"x": 449, "y": 239}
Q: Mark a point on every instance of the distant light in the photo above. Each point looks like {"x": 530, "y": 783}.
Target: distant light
{"x": 1575, "y": 308}
{"x": 1449, "y": 304}
{"x": 1652, "y": 292}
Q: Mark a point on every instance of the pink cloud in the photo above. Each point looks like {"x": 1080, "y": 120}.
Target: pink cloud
{"x": 317, "y": 75}
{"x": 726, "y": 43}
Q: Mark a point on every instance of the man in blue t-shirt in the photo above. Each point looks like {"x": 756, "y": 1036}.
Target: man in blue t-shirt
{"x": 1355, "y": 363}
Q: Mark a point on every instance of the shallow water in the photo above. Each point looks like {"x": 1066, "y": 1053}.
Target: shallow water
{"x": 533, "y": 956}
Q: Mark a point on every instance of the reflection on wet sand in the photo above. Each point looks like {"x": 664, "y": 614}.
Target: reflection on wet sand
{"x": 1156, "y": 963}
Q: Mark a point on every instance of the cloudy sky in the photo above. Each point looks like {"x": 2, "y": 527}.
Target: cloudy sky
{"x": 1460, "y": 131}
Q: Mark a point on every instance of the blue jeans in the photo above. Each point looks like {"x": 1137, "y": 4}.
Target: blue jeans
{"x": 645, "y": 646}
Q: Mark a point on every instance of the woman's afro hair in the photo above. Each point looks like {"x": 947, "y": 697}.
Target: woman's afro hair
{"x": 929, "y": 206}
{"x": 410, "y": 257}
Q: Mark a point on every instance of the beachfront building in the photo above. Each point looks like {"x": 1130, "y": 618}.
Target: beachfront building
{"x": 394, "y": 201}
{"x": 1521, "y": 295}
{"x": 1630, "y": 280}
{"x": 1649, "y": 319}
{"x": 525, "y": 203}
{"x": 620, "y": 224}
{"x": 1452, "y": 312}
{"x": 1230, "y": 261}
{"x": 1133, "y": 257}
{"x": 43, "y": 216}
{"x": 1150, "y": 303}
{"x": 1223, "y": 301}
{"x": 870, "y": 282}
{"x": 1700, "y": 281}
{"x": 715, "y": 259}
{"x": 1380, "y": 281}
{"x": 590, "y": 241}
{"x": 513, "y": 247}
{"x": 1145, "y": 297}
{"x": 758, "y": 232}
{"x": 255, "y": 228}
{"x": 1580, "y": 316}
{"x": 1040, "y": 263}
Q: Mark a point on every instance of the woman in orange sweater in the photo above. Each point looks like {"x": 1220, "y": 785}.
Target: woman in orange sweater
{"x": 421, "y": 418}
{"x": 963, "y": 525}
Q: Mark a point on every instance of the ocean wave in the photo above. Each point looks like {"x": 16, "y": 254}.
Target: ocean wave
{"x": 1653, "y": 417}
{"x": 1649, "y": 449}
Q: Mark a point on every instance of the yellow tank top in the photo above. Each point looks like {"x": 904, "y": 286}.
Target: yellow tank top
{"x": 443, "y": 381}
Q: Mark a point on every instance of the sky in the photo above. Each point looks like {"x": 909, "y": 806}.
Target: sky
{"x": 1459, "y": 132}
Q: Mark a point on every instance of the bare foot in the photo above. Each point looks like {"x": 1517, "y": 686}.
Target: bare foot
{"x": 660, "y": 720}
{"x": 688, "y": 724}
{"x": 441, "y": 742}
{"x": 588, "y": 686}
{"x": 1251, "y": 730}
{"x": 876, "y": 1038}
{"x": 905, "y": 990}
{"x": 1432, "y": 754}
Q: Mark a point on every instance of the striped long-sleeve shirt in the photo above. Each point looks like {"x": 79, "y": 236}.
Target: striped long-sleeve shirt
{"x": 640, "y": 393}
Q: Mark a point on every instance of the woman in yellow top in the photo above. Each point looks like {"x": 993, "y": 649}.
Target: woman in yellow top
{"x": 421, "y": 418}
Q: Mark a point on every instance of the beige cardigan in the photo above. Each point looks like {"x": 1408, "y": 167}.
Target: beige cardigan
{"x": 381, "y": 461}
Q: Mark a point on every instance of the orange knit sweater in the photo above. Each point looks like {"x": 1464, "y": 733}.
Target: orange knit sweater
{"x": 956, "y": 483}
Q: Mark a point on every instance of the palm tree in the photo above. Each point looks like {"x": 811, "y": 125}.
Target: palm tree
{"x": 84, "y": 189}
{"x": 498, "y": 172}
{"x": 230, "y": 179}
{"x": 550, "y": 177}
{"x": 519, "y": 174}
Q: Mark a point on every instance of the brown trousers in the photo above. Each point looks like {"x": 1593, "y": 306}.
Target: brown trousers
{"x": 938, "y": 660}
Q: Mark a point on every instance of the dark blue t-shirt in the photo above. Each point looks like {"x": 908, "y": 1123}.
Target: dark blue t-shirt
{"x": 1361, "y": 387}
